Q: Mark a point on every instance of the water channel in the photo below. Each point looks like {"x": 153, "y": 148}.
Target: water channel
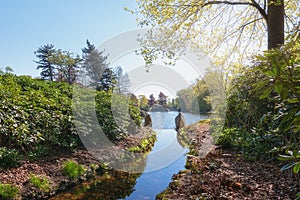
{"x": 166, "y": 158}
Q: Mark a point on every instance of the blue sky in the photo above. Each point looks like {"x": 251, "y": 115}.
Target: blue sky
{"x": 27, "y": 25}
{"x": 67, "y": 24}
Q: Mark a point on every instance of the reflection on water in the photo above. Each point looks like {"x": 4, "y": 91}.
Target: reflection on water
{"x": 166, "y": 120}
{"x": 166, "y": 158}
{"x": 110, "y": 185}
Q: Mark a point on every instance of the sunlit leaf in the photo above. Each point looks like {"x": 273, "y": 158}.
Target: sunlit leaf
{"x": 296, "y": 168}
{"x": 266, "y": 93}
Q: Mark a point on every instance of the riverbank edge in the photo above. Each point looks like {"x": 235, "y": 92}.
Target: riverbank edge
{"x": 50, "y": 167}
{"x": 213, "y": 172}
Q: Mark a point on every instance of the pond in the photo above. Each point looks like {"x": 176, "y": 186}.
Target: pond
{"x": 166, "y": 158}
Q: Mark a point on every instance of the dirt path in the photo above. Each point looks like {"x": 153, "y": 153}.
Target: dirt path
{"x": 216, "y": 173}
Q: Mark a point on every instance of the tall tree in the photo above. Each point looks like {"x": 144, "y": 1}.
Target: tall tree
{"x": 67, "y": 66}
{"x": 162, "y": 99}
{"x": 7, "y": 70}
{"x": 107, "y": 81}
{"x": 224, "y": 29}
{"x": 94, "y": 63}
{"x": 201, "y": 91}
{"x": 143, "y": 101}
{"x": 134, "y": 99}
{"x": 45, "y": 56}
{"x": 151, "y": 100}
{"x": 123, "y": 81}
{"x": 188, "y": 100}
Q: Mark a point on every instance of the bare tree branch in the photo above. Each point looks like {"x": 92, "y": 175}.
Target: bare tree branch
{"x": 253, "y": 3}
{"x": 261, "y": 10}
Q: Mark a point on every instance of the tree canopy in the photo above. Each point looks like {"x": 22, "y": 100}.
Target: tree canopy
{"x": 94, "y": 64}
{"x": 44, "y": 55}
{"x": 224, "y": 29}
{"x": 57, "y": 65}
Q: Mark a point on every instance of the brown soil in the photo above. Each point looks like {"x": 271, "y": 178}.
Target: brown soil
{"x": 216, "y": 173}
{"x": 50, "y": 166}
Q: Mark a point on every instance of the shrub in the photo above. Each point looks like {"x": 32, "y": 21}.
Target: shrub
{"x": 8, "y": 191}
{"x": 35, "y": 111}
{"x": 9, "y": 157}
{"x": 252, "y": 145}
{"x": 264, "y": 102}
{"x": 72, "y": 169}
{"x": 42, "y": 183}
{"x": 117, "y": 115}
{"x": 38, "y": 152}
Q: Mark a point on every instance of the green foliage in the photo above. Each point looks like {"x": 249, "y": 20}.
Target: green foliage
{"x": 41, "y": 182}
{"x": 67, "y": 66}
{"x": 9, "y": 157}
{"x": 292, "y": 156}
{"x": 72, "y": 169}
{"x": 8, "y": 191}
{"x": 38, "y": 151}
{"x": 252, "y": 145}
{"x": 196, "y": 98}
{"x": 173, "y": 104}
{"x": 264, "y": 101}
{"x": 248, "y": 131}
{"x": 56, "y": 64}
{"x": 282, "y": 83}
{"x": 143, "y": 102}
{"x": 144, "y": 145}
{"x": 35, "y": 112}
{"x": 94, "y": 63}
{"x": 44, "y": 54}
{"x": 244, "y": 107}
{"x": 117, "y": 115}
{"x": 108, "y": 80}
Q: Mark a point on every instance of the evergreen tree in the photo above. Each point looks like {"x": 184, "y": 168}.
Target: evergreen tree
{"x": 94, "y": 64}
{"x": 123, "y": 81}
{"x": 45, "y": 55}
{"x": 152, "y": 100}
{"x": 107, "y": 81}
{"x": 162, "y": 99}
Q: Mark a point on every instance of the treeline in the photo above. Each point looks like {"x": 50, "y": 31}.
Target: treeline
{"x": 194, "y": 99}
{"x": 162, "y": 100}
{"x": 90, "y": 69}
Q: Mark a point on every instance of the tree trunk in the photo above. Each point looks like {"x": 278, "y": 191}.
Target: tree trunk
{"x": 275, "y": 23}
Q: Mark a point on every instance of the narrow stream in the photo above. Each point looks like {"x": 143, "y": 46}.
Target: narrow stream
{"x": 166, "y": 158}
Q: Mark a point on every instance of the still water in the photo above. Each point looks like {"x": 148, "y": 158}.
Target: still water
{"x": 166, "y": 158}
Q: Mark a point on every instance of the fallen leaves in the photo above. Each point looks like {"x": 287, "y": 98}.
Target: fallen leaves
{"x": 222, "y": 174}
